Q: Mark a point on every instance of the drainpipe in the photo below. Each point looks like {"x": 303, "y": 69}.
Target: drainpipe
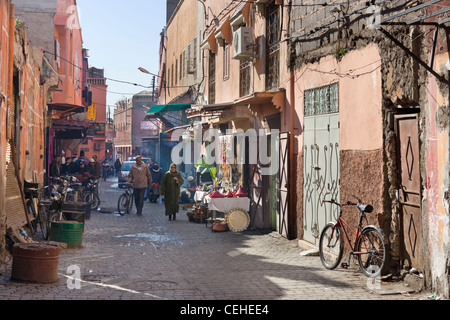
{"x": 292, "y": 169}
{"x": 10, "y": 104}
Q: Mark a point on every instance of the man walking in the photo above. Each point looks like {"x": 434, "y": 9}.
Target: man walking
{"x": 55, "y": 167}
{"x": 97, "y": 168}
{"x": 140, "y": 177}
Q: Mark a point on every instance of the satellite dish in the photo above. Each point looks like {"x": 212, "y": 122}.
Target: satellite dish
{"x": 79, "y": 116}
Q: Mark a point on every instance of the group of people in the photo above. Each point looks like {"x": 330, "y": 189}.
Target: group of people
{"x": 141, "y": 176}
{"x": 76, "y": 166}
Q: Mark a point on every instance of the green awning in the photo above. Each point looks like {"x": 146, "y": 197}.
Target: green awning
{"x": 168, "y": 107}
{"x": 156, "y": 108}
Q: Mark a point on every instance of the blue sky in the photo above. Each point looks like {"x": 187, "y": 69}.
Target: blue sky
{"x": 122, "y": 36}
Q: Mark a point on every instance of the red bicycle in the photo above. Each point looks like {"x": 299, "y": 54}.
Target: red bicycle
{"x": 369, "y": 247}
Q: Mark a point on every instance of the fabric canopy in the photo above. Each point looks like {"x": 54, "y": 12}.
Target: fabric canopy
{"x": 168, "y": 107}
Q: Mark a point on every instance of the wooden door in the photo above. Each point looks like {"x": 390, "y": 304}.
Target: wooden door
{"x": 283, "y": 190}
{"x": 409, "y": 194}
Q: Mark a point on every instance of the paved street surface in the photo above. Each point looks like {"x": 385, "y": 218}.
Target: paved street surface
{"x": 151, "y": 258}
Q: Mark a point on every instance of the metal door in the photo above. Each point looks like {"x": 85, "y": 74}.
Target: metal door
{"x": 283, "y": 221}
{"x": 320, "y": 172}
{"x": 409, "y": 194}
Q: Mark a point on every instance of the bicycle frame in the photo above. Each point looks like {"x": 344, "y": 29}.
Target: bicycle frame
{"x": 128, "y": 195}
{"x": 343, "y": 225}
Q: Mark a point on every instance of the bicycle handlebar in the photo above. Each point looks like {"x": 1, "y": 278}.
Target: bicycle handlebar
{"x": 363, "y": 208}
{"x": 348, "y": 203}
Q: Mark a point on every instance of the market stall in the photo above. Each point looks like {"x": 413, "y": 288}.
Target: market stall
{"x": 227, "y": 204}
{"x": 223, "y": 197}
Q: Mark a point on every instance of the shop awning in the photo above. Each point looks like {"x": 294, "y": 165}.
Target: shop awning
{"x": 168, "y": 107}
{"x": 66, "y": 107}
{"x": 69, "y": 129}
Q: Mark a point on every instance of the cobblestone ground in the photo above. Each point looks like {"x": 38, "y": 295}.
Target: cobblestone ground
{"x": 151, "y": 258}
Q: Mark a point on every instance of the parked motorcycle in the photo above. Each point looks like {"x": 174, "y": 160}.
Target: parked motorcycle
{"x": 153, "y": 192}
{"x": 90, "y": 194}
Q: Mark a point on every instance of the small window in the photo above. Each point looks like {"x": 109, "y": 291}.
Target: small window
{"x": 321, "y": 100}
{"x": 212, "y": 78}
{"x": 244, "y": 78}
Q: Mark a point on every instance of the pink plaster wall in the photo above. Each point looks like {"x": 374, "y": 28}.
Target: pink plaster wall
{"x": 437, "y": 182}
{"x": 360, "y": 96}
{"x": 69, "y": 36}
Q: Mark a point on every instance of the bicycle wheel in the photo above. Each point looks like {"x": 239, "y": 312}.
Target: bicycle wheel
{"x": 54, "y": 217}
{"x": 130, "y": 203}
{"x": 92, "y": 199}
{"x": 122, "y": 204}
{"x": 70, "y": 196}
{"x": 331, "y": 246}
{"x": 373, "y": 253}
{"x": 43, "y": 223}
{"x": 32, "y": 211}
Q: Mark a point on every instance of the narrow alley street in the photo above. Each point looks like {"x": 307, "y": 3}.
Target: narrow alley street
{"x": 151, "y": 258}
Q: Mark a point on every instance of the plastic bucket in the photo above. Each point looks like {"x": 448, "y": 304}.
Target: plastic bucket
{"x": 35, "y": 262}
{"x": 69, "y": 232}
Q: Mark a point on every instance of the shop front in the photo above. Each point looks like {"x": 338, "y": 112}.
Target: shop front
{"x": 65, "y": 134}
{"x": 239, "y": 157}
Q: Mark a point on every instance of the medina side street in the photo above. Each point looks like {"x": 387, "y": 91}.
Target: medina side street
{"x": 148, "y": 257}
{"x": 221, "y": 149}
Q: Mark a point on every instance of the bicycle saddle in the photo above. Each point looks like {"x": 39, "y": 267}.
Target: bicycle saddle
{"x": 367, "y": 208}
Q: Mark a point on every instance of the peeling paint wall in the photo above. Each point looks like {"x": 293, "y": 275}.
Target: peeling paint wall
{"x": 437, "y": 183}
{"x": 406, "y": 87}
{"x": 5, "y": 14}
{"x": 32, "y": 95}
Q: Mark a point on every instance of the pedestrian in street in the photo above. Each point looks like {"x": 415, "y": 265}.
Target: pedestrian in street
{"x": 140, "y": 177}
{"x": 73, "y": 167}
{"x": 157, "y": 176}
{"x": 170, "y": 189}
{"x": 55, "y": 167}
{"x": 97, "y": 168}
{"x": 156, "y": 173}
{"x": 117, "y": 166}
{"x": 65, "y": 168}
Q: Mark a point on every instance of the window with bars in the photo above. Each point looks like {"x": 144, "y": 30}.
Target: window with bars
{"x": 212, "y": 78}
{"x": 226, "y": 62}
{"x": 176, "y": 72}
{"x": 273, "y": 46}
{"x": 168, "y": 78}
{"x": 321, "y": 100}
{"x": 181, "y": 66}
{"x": 171, "y": 76}
{"x": 194, "y": 58}
{"x": 184, "y": 64}
{"x": 244, "y": 78}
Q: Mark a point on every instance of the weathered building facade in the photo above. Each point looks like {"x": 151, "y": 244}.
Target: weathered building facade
{"x": 372, "y": 90}
{"x": 122, "y": 127}
{"x": 95, "y": 141}
{"x": 54, "y": 26}
{"x": 246, "y": 85}
{"x": 361, "y": 90}
{"x": 26, "y": 83}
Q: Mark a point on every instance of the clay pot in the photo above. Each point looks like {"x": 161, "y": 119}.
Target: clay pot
{"x": 241, "y": 193}
{"x": 216, "y": 194}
